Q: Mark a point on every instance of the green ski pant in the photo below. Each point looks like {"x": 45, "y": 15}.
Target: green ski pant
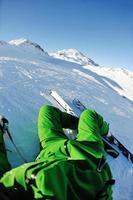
{"x": 90, "y": 127}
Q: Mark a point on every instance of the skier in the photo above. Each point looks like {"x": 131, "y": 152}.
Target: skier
{"x": 64, "y": 169}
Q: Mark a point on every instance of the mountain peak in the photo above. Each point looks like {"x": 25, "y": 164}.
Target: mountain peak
{"x": 25, "y": 42}
{"x": 73, "y": 55}
{"x": 19, "y": 41}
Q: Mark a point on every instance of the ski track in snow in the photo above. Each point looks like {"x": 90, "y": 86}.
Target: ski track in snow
{"x": 24, "y": 77}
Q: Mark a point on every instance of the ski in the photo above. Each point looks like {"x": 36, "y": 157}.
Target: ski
{"x": 57, "y": 100}
{"x": 63, "y": 104}
{"x": 112, "y": 140}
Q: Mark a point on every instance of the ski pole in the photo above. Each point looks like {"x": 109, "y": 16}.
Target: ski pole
{"x": 11, "y": 139}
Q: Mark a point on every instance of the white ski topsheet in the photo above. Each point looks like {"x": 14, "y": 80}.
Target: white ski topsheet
{"x": 61, "y": 102}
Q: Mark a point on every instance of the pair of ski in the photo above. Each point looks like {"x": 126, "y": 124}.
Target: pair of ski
{"x": 112, "y": 145}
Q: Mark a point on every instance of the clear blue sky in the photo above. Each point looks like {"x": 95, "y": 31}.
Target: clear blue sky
{"x": 101, "y": 29}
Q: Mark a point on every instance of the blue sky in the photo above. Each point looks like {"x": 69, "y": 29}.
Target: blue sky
{"x": 101, "y": 29}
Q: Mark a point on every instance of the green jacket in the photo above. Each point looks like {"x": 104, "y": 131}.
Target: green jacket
{"x": 66, "y": 169}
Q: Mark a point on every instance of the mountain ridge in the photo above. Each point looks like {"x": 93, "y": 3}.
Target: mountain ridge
{"x": 23, "y": 41}
{"x": 73, "y": 55}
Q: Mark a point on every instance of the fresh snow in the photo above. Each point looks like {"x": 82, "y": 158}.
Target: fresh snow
{"x": 26, "y": 72}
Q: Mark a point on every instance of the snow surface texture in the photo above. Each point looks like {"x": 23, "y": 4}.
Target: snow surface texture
{"x": 26, "y": 71}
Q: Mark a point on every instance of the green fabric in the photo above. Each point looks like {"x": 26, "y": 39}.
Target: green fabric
{"x": 4, "y": 164}
{"x": 66, "y": 169}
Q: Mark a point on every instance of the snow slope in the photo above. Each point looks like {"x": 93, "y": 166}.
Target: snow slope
{"x": 26, "y": 72}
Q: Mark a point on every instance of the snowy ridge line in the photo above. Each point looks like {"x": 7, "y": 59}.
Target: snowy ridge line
{"x": 112, "y": 140}
{"x": 73, "y": 55}
{"x": 59, "y": 101}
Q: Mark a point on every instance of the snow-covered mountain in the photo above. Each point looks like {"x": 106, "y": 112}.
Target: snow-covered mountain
{"x": 26, "y": 72}
{"x": 26, "y": 43}
{"x": 21, "y": 48}
{"x": 73, "y": 55}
